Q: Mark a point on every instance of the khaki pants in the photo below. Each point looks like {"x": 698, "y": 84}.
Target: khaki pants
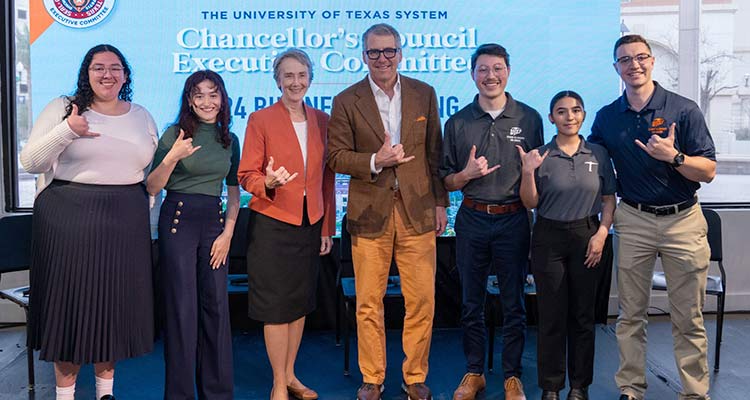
{"x": 415, "y": 257}
{"x": 680, "y": 239}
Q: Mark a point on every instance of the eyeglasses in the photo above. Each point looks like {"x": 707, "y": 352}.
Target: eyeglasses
{"x": 639, "y": 58}
{"x": 101, "y": 70}
{"x": 485, "y": 70}
{"x": 388, "y": 52}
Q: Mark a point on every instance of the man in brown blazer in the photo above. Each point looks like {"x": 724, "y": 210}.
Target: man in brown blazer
{"x": 385, "y": 133}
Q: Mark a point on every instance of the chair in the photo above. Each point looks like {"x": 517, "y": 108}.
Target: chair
{"x": 237, "y": 283}
{"x": 493, "y": 297}
{"x": 346, "y": 294}
{"x": 15, "y": 255}
{"x": 716, "y": 284}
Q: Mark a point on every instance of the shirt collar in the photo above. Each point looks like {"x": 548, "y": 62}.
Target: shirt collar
{"x": 657, "y": 102}
{"x": 511, "y": 108}
{"x": 376, "y": 89}
{"x": 554, "y": 150}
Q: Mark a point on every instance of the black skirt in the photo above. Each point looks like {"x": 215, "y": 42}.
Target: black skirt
{"x": 91, "y": 296}
{"x": 283, "y": 262}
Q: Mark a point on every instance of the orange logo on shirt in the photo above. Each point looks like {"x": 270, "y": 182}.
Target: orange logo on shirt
{"x": 656, "y": 126}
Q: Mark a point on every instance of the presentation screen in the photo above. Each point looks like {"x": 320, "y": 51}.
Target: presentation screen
{"x": 551, "y": 47}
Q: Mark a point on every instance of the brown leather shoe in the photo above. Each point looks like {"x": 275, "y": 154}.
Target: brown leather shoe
{"x": 470, "y": 385}
{"x": 303, "y": 393}
{"x": 514, "y": 389}
{"x": 417, "y": 391}
{"x": 370, "y": 391}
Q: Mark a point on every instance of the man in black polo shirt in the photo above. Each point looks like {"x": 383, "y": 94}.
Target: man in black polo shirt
{"x": 492, "y": 226}
{"x": 661, "y": 149}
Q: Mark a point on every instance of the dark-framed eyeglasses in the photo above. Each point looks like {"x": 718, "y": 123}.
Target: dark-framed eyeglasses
{"x": 639, "y": 58}
{"x": 99, "y": 70}
{"x": 388, "y": 52}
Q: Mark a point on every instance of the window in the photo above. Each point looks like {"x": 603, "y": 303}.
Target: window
{"x": 724, "y": 80}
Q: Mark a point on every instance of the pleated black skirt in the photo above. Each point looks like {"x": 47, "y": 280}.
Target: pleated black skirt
{"x": 283, "y": 263}
{"x": 91, "y": 296}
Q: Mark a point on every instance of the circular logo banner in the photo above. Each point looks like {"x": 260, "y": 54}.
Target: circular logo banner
{"x": 79, "y": 13}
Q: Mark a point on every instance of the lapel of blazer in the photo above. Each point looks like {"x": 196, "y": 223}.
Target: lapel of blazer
{"x": 369, "y": 109}
{"x": 314, "y": 142}
{"x": 409, "y": 110}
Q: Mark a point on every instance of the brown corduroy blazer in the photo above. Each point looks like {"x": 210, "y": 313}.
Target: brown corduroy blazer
{"x": 356, "y": 131}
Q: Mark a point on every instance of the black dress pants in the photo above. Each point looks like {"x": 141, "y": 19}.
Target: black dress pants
{"x": 566, "y": 294}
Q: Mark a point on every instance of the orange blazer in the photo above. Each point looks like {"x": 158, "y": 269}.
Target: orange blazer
{"x": 270, "y": 133}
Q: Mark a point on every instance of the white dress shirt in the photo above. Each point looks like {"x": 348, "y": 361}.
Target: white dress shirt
{"x": 390, "y": 114}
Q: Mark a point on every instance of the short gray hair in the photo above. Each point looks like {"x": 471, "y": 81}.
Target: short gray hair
{"x": 381, "y": 30}
{"x": 296, "y": 54}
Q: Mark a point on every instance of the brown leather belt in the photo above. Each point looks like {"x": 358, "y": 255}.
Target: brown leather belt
{"x": 492, "y": 208}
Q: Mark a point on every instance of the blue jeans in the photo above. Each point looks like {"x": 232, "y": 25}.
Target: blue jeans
{"x": 497, "y": 243}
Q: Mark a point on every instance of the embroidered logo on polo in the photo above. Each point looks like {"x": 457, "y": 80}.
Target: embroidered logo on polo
{"x": 658, "y": 126}
{"x": 79, "y": 13}
{"x": 514, "y": 132}
{"x": 591, "y": 164}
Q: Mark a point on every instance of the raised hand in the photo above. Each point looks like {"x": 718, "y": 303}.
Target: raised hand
{"x": 182, "y": 148}
{"x": 388, "y": 156}
{"x": 477, "y": 167}
{"x": 79, "y": 124}
{"x": 532, "y": 160}
{"x": 278, "y": 177}
{"x": 660, "y": 148}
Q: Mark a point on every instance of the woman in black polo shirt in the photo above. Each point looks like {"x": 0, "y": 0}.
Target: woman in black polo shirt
{"x": 569, "y": 181}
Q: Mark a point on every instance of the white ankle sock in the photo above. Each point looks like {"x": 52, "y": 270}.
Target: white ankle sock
{"x": 103, "y": 387}
{"x": 65, "y": 393}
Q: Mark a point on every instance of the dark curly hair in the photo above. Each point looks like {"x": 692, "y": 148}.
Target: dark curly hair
{"x": 84, "y": 94}
{"x": 188, "y": 121}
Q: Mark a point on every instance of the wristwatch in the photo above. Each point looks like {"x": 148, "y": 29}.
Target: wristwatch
{"x": 678, "y": 160}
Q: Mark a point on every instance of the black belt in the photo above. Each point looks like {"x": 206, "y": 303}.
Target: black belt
{"x": 662, "y": 210}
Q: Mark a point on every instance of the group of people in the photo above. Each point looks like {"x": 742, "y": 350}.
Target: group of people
{"x": 98, "y": 157}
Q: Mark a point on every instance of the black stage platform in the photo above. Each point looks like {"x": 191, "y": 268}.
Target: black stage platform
{"x": 320, "y": 366}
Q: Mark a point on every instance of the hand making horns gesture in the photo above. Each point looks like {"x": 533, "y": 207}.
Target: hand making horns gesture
{"x": 279, "y": 177}
{"x": 477, "y": 167}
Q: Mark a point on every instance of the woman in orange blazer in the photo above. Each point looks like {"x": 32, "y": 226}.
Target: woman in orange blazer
{"x": 293, "y": 218}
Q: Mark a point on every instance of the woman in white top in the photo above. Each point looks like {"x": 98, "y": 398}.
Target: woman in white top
{"x": 91, "y": 291}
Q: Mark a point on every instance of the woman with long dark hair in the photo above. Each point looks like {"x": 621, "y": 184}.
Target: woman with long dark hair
{"x": 195, "y": 158}
{"x": 91, "y": 295}
{"x": 571, "y": 183}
